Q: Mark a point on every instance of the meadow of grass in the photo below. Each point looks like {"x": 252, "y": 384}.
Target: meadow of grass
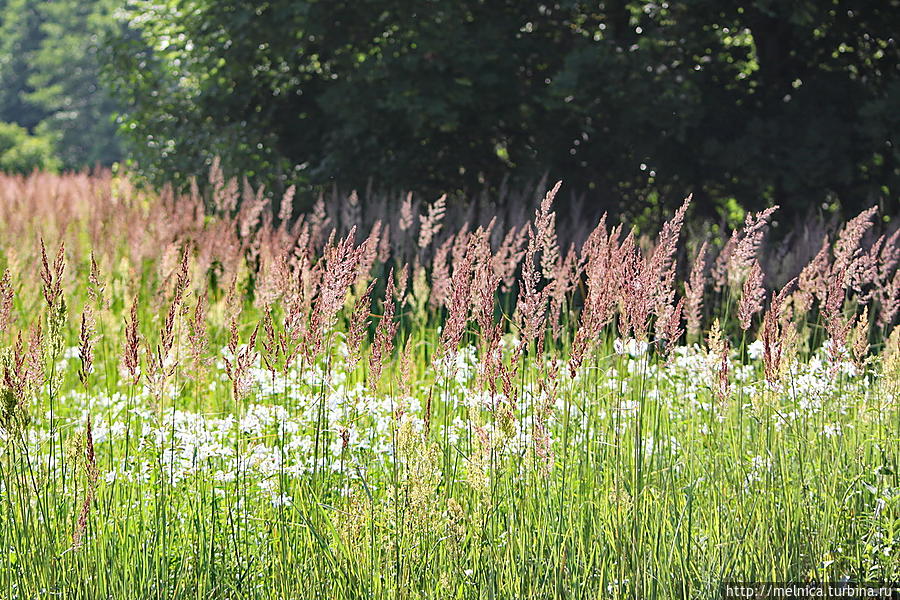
{"x": 208, "y": 397}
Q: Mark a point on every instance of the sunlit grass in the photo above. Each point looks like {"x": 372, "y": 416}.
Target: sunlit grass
{"x": 652, "y": 472}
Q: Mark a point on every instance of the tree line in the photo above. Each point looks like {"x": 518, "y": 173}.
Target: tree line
{"x": 745, "y": 103}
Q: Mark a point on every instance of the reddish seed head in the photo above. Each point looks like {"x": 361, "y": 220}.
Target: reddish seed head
{"x": 752, "y": 295}
{"x": 359, "y": 324}
{"x": 430, "y": 224}
{"x": 52, "y": 276}
{"x": 6, "y": 301}
{"x": 131, "y": 351}
{"x": 86, "y": 347}
{"x": 384, "y": 334}
{"x": 776, "y": 334}
{"x": 694, "y": 289}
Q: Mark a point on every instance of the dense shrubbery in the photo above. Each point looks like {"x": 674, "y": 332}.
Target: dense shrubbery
{"x": 24, "y": 153}
{"x": 235, "y": 405}
{"x": 49, "y": 76}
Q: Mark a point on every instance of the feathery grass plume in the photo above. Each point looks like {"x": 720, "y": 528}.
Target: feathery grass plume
{"x": 847, "y": 246}
{"x": 430, "y": 224}
{"x": 168, "y": 263}
{"x": 294, "y": 324}
{"x": 161, "y": 362}
{"x": 720, "y": 265}
{"x": 405, "y": 374}
{"x": 90, "y": 475}
{"x": 86, "y": 346}
{"x": 230, "y": 195}
{"x": 341, "y": 260}
{"x": 251, "y": 210}
{"x": 812, "y": 283}
{"x": 418, "y": 481}
{"x": 300, "y": 248}
{"x": 308, "y": 278}
{"x": 440, "y": 275}
{"x": 484, "y": 282}
{"x": 753, "y": 295}
{"x": 6, "y": 301}
{"x": 837, "y": 326}
{"x": 723, "y": 388}
{"x": 889, "y": 257}
{"x": 271, "y": 343}
{"x": 384, "y": 244}
{"x": 636, "y": 298}
{"x": 52, "y": 276}
{"x": 198, "y": 341}
{"x": 693, "y": 292}
{"x": 406, "y": 213}
{"x": 863, "y": 271}
{"x": 890, "y": 362}
{"x": 532, "y": 302}
{"x": 368, "y": 254}
{"x": 402, "y": 285}
{"x": 887, "y": 288}
{"x": 657, "y": 279}
{"x": 719, "y": 350}
{"x": 460, "y": 244}
{"x": 668, "y": 327}
{"x": 14, "y": 368}
{"x": 661, "y": 265}
{"x": 599, "y": 254}
{"x": 130, "y": 354}
{"x": 273, "y": 279}
{"x": 318, "y": 222}
{"x": 217, "y": 182}
{"x": 890, "y": 302}
{"x": 57, "y": 313}
{"x": 182, "y": 279}
{"x": 167, "y": 336}
{"x": 506, "y": 259}
{"x": 747, "y": 248}
{"x": 859, "y": 339}
{"x": 489, "y": 366}
{"x": 509, "y": 405}
{"x": 545, "y": 230}
{"x": 460, "y": 301}
{"x": 35, "y": 373}
{"x": 546, "y": 402}
{"x": 419, "y": 294}
{"x": 241, "y": 359}
{"x": 566, "y": 278}
{"x": 23, "y": 375}
{"x": 359, "y": 326}
{"x": 777, "y": 335}
{"x": 96, "y": 288}
{"x": 286, "y": 209}
{"x": 12, "y": 397}
{"x": 384, "y": 334}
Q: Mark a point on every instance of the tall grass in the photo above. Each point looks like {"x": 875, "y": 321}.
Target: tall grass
{"x": 203, "y": 400}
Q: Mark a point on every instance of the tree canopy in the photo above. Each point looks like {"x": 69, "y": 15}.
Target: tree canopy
{"x": 742, "y": 102}
{"x": 756, "y": 102}
{"x": 50, "y": 77}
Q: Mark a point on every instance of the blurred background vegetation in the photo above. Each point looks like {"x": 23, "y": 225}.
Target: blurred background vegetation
{"x": 633, "y": 104}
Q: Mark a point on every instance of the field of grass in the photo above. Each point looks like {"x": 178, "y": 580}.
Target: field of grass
{"x": 206, "y": 398}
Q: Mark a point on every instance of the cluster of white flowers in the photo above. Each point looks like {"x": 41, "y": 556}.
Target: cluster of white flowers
{"x": 319, "y": 418}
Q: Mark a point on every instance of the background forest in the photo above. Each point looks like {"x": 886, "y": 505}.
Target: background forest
{"x": 632, "y": 104}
